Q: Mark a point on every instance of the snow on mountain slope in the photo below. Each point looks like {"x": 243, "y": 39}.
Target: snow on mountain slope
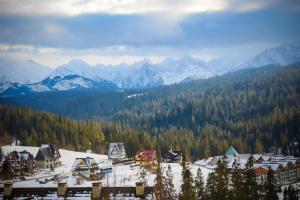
{"x": 8, "y": 88}
{"x": 57, "y": 83}
{"x": 75, "y": 67}
{"x": 223, "y": 65}
{"x": 187, "y": 68}
{"x": 22, "y": 71}
{"x": 71, "y": 82}
{"x": 143, "y": 74}
{"x": 282, "y": 55}
{"x": 5, "y": 83}
{"x": 16, "y": 89}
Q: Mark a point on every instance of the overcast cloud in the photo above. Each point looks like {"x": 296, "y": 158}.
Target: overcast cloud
{"x": 114, "y": 31}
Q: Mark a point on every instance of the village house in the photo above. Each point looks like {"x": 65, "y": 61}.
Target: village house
{"x": 116, "y": 151}
{"x": 146, "y": 158}
{"x": 286, "y": 169}
{"x": 48, "y": 156}
{"x": 173, "y": 156}
{"x": 85, "y": 166}
{"x": 20, "y": 163}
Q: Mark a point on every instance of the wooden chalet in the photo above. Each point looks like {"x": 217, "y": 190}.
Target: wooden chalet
{"x": 20, "y": 163}
{"x": 48, "y": 156}
{"x": 85, "y": 166}
{"x": 116, "y": 151}
{"x": 173, "y": 156}
{"x": 146, "y": 158}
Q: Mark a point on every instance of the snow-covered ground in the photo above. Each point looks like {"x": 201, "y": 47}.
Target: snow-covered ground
{"x": 122, "y": 175}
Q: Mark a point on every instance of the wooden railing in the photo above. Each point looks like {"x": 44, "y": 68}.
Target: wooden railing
{"x": 95, "y": 192}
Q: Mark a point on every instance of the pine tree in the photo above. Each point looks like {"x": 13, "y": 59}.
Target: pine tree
{"x": 199, "y": 185}
{"x": 236, "y": 181}
{"x": 169, "y": 186}
{"x": 290, "y": 193}
{"x": 251, "y": 188}
{"x": 271, "y": 188}
{"x": 222, "y": 181}
{"x": 159, "y": 180}
{"x": 210, "y": 189}
{"x": 187, "y": 188}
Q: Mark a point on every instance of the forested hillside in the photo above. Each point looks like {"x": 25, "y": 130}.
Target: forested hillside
{"x": 36, "y": 128}
{"x": 251, "y": 109}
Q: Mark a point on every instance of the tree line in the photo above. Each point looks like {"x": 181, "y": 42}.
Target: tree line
{"x": 221, "y": 184}
{"x": 35, "y": 128}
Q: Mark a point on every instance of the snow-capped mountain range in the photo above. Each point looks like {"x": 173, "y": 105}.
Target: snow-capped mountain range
{"x": 78, "y": 74}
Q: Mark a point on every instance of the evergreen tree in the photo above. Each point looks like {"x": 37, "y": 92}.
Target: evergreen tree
{"x": 236, "y": 181}
{"x": 199, "y": 185}
{"x": 251, "y": 188}
{"x": 169, "y": 186}
{"x": 222, "y": 181}
{"x": 159, "y": 180}
{"x": 187, "y": 188}
{"x": 290, "y": 193}
{"x": 271, "y": 188}
{"x": 210, "y": 189}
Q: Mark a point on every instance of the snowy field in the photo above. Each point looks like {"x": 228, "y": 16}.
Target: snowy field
{"x": 122, "y": 175}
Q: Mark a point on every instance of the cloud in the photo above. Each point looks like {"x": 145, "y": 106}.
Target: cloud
{"x": 129, "y": 7}
{"x": 78, "y": 7}
{"x": 53, "y": 57}
{"x": 132, "y": 29}
{"x": 255, "y": 5}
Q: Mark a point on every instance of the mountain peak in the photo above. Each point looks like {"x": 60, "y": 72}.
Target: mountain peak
{"x": 77, "y": 62}
{"x": 192, "y": 60}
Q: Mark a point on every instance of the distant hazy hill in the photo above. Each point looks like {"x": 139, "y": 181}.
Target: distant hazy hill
{"x": 22, "y": 71}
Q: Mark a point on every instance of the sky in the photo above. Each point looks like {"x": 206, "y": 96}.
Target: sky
{"x": 52, "y": 32}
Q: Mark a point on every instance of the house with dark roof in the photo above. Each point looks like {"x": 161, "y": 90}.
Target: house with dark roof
{"x": 173, "y": 156}
{"x": 48, "y": 156}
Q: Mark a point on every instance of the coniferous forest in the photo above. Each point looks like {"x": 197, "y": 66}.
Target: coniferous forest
{"x": 252, "y": 109}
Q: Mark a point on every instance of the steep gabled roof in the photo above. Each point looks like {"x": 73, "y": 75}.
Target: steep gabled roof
{"x": 85, "y": 163}
{"x": 146, "y": 155}
{"x": 231, "y": 152}
{"x": 116, "y": 150}
{"x": 47, "y": 152}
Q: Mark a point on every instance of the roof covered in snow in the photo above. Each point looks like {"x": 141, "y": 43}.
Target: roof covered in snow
{"x": 48, "y": 152}
{"x": 116, "y": 151}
